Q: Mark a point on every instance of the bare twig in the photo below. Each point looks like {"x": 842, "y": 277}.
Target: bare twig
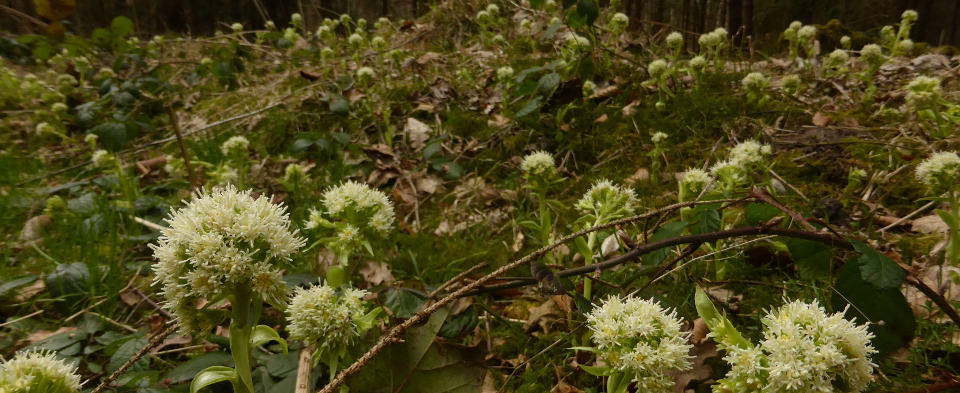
{"x": 456, "y": 278}
{"x": 304, "y": 369}
{"x": 148, "y": 224}
{"x": 909, "y": 216}
{"x": 175, "y": 125}
{"x": 421, "y": 315}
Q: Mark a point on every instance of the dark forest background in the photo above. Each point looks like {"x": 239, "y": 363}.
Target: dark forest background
{"x": 759, "y": 19}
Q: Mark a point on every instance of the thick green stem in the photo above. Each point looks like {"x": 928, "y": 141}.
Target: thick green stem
{"x": 240, "y": 329}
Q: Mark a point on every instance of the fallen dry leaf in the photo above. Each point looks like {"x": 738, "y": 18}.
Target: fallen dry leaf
{"x": 820, "y": 119}
{"x": 41, "y": 335}
{"x": 417, "y": 132}
{"x": 33, "y": 228}
{"x": 376, "y": 273}
{"x": 929, "y": 224}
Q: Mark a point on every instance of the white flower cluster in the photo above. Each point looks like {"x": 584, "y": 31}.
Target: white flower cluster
{"x": 697, "y": 63}
{"x": 538, "y": 163}
{"x": 741, "y": 160}
{"x": 579, "y": 42}
{"x": 755, "y": 81}
{"x": 939, "y": 172}
{"x": 675, "y": 39}
{"x": 873, "y": 54}
{"x": 235, "y": 146}
{"x": 641, "y": 338}
{"x": 694, "y": 180}
{"x": 318, "y": 315}
{"x": 657, "y": 68}
{"x": 658, "y": 137}
{"x": 713, "y": 39}
{"x": 837, "y": 58}
{"x": 353, "y": 198}
{"x": 365, "y": 73}
{"x": 807, "y": 33}
{"x": 923, "y": 92}
{"x": 102, "y": 159}
{"x": 222, "y": 241}
{"x": 605, "y": 199}
{"x": 804, "y": 350}
{"x": 504, "y": 73}
{"x": 38, "y": 372}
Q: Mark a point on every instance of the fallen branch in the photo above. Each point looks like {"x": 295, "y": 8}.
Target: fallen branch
{"x": 153, "y": 343}
{"x": 422, "y": 315}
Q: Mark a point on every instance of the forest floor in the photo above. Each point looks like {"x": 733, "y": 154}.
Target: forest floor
{"x": 439, "y": 113}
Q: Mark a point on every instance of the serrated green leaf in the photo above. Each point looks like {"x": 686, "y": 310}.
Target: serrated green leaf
{"x": 532, "y": 106}
{"x": 886, "y": 310}
{"x": 212, "y": 375}
{"x": 263, "y": 334}
{"x": 548, "y": 83}
{"x": 811, "y": 257}
{"x": 878, "y": 269}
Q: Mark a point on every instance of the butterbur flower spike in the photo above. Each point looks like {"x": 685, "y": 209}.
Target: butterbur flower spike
{"x": 38, "y": 372}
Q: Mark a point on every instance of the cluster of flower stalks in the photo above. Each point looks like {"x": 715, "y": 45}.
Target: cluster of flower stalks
{"x": 226, "y": 246}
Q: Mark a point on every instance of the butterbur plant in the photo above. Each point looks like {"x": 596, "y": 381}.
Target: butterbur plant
{"x": 330, "y": 320}
{"x": 539, "y": 174}
{"x": 743, "y": 160}
{"x": 225, "y": 246}
{"x": 755, "y": 84}
{"x": 602, "y": 203}
{"x": 940, "y": 173}
{"x": 924, "y": 98}
{"x": 38, "y": 372}
{"x": 638, "y": 341}
{"x": 352, "y": 215}
{"x": 803, "y": 350}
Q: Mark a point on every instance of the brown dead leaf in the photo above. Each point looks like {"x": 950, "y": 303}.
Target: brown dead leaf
{"x": 605, "y": 91}
{"x": 176, "y": 340}
{"x": 699, "y": 332}
{"x": 630, "y": 109}
{"x": 701, "y": 369}
{"x": 429, "y": 184}
{"x": 543, "y": 316}
{"x": 33, "y": 228}
{"x": 354, "y": 95}
{"x": 429, "y": 57}
{"x": 310, "y": 75}
{"x": 28, "y": 292}
{"x": 129, "y": 297}
{"x": 929, "y": 224}
{"x": 641, "y": 175}
{"x": 425, "y": 107}
{"x": 417, "y": 132}
{"x": 499, "y": 121}
{"x": 41, "y": 335}
{"x": 601, "y": 119}
{"x": 376, "y": 273}
{"x": 563, "y": 387}
{"x": 820, "y": 119}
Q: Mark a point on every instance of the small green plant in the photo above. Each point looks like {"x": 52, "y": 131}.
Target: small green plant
{"x": 924, "y": 98}
{"x": 939, "y": 174}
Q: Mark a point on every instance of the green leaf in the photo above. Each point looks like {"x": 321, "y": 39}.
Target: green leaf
{"x": 403, "y": 302}
{"x": 127, "y": 351}
{"x": 8, "y": 286}
{"x": 68, "y": 278}
{"x": 111, "y": 135}
{"x": 339, "y": 104}
{"x": 668, "y": 230}
{"x": 891, "y": 319}
{"x": 121, "y": 26}
{"x": 548, "y": 83}
{"x": 618, "y": 382}
{"x": 187, "y": 370}
{"x": 532, "y": 106}
{"x": 583, "y": 248}
{"x": 600, "y": 371}
{"x": 263, "y": 334}
{"x": 721, "y": 327}
{"x": 709, "y": 221}
{"x": 212, "y": 375}
{"x": 757, "y": 213}
{"x": 812, "y": 258}
{"x": 878, "y": 269}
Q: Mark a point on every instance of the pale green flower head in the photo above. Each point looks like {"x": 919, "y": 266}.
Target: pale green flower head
{"x": 755, "y": 82}
{"x": 795, "y": 25}
{"x": 658, "y": 137}
{"x": 904, "y": 46}
{"x": 608, "y": 201}
{"x": 235, "y": 147}
{"x": 366, "y": 74}
{"x": 790, "y": 83}
{"x": 577, "y": 41}
{"x": 807, "y": 33}
{"x": 290, "y": 34}
{"x": 270, "y": 25}
{"x": 44, "y": 128}
{"x": 296, "y": 19}
{"x": 837, "y": 58}
{"x": 236, "y": 27}
{"x": 588, "y": 88}
{"x": 693, "y": 182}
{"x": 909, "y": 16}
{"x": 356, "y": 40}
{"x": 697, "y": 63}
{"x": 940, "y": 172}
{"x": 505, "y": 73}
{"x": 642, "y": 339}
{"x": 326, "y": 317}
{"x": 483, "y": 17}
{"x": 657, "y": 68}
{"x": 845, "y": 42}
{"x": 749, "y": 153}
{"x": 38, "y": 372}
{"x": 294, "y": 173}
{"x": 354, "y": 213}
{"x": 619, "y": 21}
{"x": 923, "y": 92}
{"x": 493, "y": 9}
{"x": 675, "y": 40}
{"x": 872, "y": 54}
{"x": 539, "y": 164}
{"x": 103, "y": 159}
{"x": 378, "y": 42}
{"x": 804, "y": 350}
{"x": 223, "y": 242}
{"x": 105, "y": 73}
